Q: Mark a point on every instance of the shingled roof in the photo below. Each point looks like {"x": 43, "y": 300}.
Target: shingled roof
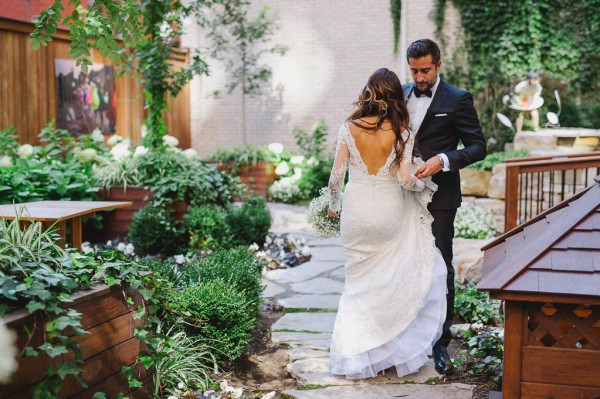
{"x": 558, "y": 252}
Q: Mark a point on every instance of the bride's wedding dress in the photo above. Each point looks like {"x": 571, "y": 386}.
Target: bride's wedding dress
{"x": 394, "y": 301}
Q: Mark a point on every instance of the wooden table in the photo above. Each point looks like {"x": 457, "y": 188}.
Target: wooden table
{"x": 59, "y": 212}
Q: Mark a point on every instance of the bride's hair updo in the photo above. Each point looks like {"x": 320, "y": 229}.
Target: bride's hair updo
{"x": 383, "y": 97}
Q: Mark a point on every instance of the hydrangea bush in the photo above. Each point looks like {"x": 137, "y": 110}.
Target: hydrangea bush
{"x": 473, "y": 221}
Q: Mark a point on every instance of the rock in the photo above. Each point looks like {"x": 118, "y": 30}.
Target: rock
{"x": 497, "y": 183}
{"x": 541, "y": 140}
{"x": 468, "y": 259}
{"x": 474, "y": 182}
{"x": 309, "y": 321}
{"x": 272, "y": 289}
{"x": 304, "y": 272}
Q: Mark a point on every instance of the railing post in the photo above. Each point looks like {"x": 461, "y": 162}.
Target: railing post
{"x": 511, "y": 197}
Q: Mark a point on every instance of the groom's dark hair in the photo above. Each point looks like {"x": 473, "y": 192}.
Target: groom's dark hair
{"x": 422, "y": 48}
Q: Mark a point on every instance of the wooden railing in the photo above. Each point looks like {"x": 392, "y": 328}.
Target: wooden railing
{"x": 538, "y": 183}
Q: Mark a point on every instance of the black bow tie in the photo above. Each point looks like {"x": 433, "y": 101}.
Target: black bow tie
{"x": 420, "y": 93}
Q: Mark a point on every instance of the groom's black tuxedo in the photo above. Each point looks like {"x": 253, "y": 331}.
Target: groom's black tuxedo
{"x": 450, "y": 118}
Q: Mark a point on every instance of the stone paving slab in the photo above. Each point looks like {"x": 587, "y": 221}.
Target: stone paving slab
{"x": 305, "y": 271}
{"x": 315, "y": 371}
{"x": 331, "y": 253}
{"x": 319, "y": 322}
{"x": 306, "y": 353}
{"x": 303, "y": 301}
{"x": 298, "y": 337}
{"x": 325, "y": 242}
{"x": 272, "y": 289}
{"x": 387, "y": 391}
{"x": 319, "y": 285}
{"x": 339, "y": 273}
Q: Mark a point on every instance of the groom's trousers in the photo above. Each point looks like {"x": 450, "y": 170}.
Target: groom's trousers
{"x": 443, "y": 231}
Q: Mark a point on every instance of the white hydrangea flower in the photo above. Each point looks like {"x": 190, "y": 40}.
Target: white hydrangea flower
{"x": 190, "y": 153}
{"x": 87, "y": 155}
{"x": 97, "y": 135}
{"x": 140, "y": 150}
{"x": 282, "y": 169}
{"x": 298, "y": 172}
{"x": 297, "y": 159}
{"x": 275, "y": 148}
{"x": 129, "y": 249}
{"x": 181, "y": 385}
{"x": 114, "y": 140}
{"x": 143, "y": 131}
{"x": 120, "y": 151}
{"x": 8, "y": 353}
{"x": 179, "y": 259}
{"x": 305, "y": 250}
{"x": 121, "y": 246}
{"x": 25, "y": 151}
{"x": 254, "y": 246}
{"x": 312, "y": 161}
{"x": 170, "y": 141}
{"x": 86, "y": 247}
{"x": 6, "y": 161}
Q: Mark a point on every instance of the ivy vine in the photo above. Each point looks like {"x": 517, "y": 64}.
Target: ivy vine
{"x": 505, "y": 40}
{"x": 396, "y": 11}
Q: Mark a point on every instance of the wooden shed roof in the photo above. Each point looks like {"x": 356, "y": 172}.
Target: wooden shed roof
{"x": 556, "y": 253}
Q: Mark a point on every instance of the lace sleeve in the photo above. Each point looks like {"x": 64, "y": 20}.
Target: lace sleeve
{"x": 405, "y": 171}
{"x": 338, "y": 171}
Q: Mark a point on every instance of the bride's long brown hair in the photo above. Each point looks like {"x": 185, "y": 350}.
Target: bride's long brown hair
{"x": 383, "y": 97}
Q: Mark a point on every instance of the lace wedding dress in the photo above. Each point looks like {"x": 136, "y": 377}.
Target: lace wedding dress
{"x": 394, "y": 301}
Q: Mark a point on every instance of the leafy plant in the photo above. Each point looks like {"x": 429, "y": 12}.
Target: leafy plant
{"x": 473, "y": 221}
{"x": 237, "y": 267}
{"x": 184, "y": 359}
{"x": 224, "y": 315}
{"x": 495, "y": 158}
{"x": 475, "y": 306}
{"x": 154, "y": 231}
{"x": 249, "y": 223}
{"x": 483, "y": 354}
{"x": 208, "y": 228}
{"x": 236, "y": 157}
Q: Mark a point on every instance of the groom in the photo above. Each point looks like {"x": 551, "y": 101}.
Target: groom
{"x": 442, "y": 115}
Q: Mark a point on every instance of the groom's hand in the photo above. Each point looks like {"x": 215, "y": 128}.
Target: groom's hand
{"x": 429, "y": 168}
{"x": 333, "y": 214}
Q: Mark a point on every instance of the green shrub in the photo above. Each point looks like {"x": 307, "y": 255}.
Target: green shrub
{"x": 475, "y": 306}
{"x": 154, "y": 231}
{"x": 208, "y": 228}
{"x": 236, "y": 266}
{"x": 482, "y": 354}
{"x": 495, "y": 158}
{"x": 249, "y": 223}
{"x": 222, "y": 312}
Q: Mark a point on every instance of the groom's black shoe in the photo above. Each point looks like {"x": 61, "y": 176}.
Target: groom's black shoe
{"x": 441, "y": 360}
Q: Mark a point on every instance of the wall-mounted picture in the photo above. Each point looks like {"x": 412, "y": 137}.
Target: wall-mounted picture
{"x": 85, "y": 101}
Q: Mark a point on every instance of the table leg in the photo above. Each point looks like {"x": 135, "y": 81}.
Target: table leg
{"x": 61, "y": 229}
{"x": 76, "y": 232}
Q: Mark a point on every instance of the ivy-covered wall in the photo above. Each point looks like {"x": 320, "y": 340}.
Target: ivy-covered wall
{"x": 503, "y": 40}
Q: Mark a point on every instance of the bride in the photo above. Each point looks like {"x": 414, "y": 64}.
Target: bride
{"x": 394, "y": 302}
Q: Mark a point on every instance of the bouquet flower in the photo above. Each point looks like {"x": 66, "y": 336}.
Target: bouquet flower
{"x": 325, "y": 225}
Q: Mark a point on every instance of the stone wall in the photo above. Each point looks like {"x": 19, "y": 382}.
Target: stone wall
{"x": 333, "y": 47}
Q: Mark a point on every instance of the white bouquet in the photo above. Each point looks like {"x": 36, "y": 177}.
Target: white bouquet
{"x": 325, "y": 225}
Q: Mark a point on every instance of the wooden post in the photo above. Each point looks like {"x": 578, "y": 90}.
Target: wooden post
{"x": 76, "y": 232}
{"x": 511, "y": 197}
{"x": 514, "y": 330}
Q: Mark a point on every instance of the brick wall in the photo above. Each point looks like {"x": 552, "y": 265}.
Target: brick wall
{"x": 333, "y": 47}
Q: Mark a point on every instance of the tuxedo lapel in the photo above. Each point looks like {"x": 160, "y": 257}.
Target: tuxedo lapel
{"x": 436, "y": 103}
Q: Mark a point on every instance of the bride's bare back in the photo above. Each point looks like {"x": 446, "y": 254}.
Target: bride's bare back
{"x": 375, "y": 147}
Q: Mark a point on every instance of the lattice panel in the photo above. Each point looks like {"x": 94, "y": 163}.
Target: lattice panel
{"x": 563, "y": 326}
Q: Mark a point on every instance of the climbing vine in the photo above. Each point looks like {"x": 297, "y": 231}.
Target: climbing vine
{"x": 396, "y": 11}
{"x": 504, "y": 40}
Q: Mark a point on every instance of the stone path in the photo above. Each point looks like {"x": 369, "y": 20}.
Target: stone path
{"x": 310, "y": 293}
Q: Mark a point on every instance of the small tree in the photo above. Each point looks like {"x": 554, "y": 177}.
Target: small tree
{"x": 151, "y": 28}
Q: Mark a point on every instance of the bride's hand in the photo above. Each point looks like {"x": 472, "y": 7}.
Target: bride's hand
{"x": 333, "y": 214}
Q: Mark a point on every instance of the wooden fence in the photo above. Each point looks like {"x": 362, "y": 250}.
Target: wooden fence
{"x": 538, "y": 183}
{"x": 28, "y": 88}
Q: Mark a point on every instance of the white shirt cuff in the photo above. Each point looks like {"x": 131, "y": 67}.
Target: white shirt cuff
{"x": 446, "y": 167}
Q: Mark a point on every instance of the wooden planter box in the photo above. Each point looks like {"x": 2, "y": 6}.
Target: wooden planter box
{"x": 107, "y": 347}
{"x": 258, "y": 178}
{"x": 117, "y": 222}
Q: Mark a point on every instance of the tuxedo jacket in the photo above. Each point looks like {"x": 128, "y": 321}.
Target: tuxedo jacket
{"x": 450, "y": 118}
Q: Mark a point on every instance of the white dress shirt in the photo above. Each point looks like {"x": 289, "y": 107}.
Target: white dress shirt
{"x": 417, "y": 108}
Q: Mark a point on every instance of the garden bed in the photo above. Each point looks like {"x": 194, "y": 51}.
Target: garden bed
{"x": 108, "y": 345}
